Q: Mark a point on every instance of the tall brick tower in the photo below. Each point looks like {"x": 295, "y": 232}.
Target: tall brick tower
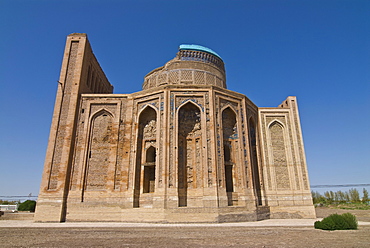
{"x": 80, "y": 74}
{"x": 184, "y": 149}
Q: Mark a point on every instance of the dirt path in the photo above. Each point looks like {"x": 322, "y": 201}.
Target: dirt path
{"x": 183, "y": 237}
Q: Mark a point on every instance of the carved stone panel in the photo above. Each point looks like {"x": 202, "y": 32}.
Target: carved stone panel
{"x": 280, "y": 163}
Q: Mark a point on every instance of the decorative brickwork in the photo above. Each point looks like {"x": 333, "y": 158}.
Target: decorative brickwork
{"x": 174, "y": 77}
{"x": 189, "y": 67}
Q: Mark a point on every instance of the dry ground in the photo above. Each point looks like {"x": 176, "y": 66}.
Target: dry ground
{"x": 185, "y": 236}
{"x": 362, "y": 215}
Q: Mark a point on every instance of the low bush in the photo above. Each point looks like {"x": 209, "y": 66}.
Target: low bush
{"x": 351, "y": 220}
{"x": 345, "y": 221}
{"x": 28, "y": 205}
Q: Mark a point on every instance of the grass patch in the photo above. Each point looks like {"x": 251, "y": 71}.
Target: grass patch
{"x": 351, "y": 206}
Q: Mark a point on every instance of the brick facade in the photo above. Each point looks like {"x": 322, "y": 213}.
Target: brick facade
{"x": 185, "y": 149}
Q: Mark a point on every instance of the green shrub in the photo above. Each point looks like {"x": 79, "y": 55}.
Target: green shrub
{"x": 345, "y": 221}
{"x": 326, "y": 224}
{"x": 28, "y": 205}
{"x": 340, "y": 222}
{"x": 351, "y": 220}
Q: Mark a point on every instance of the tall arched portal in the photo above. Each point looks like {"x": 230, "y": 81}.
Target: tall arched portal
{"x": 189, "y": 150}
{"x": 145, "y": 154}
{"x": 230, "y": 134}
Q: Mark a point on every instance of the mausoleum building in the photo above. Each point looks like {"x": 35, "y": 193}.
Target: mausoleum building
{"x": 184, "y": 149}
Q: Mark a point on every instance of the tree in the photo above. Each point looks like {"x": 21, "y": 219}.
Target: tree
{"x": 340, "y": 197}
{"x": 28, "y": 205}
{"x": 8, "y": 202}
{"x": 329, "y": 196}
{"x": 347, "y": 197}
{"x": 354, "y": 195}
{"x": 365, "y": 197}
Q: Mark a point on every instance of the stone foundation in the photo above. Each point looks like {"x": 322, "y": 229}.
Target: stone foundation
{"x": 105, "y": 213}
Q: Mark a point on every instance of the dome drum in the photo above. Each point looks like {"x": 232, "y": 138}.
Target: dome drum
{"x": 183, "y": 77}
{"x": 193, "y": 65}
{"x": 201, "y": 56}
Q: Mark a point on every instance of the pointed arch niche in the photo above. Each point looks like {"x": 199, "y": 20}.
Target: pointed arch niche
{"x": 230, "y": 144}
{"x": 278, "y": 149}
{"x": 145, "y": 154}
{"x": 189, "y": 150}
{"x": 254, "y": 161}
{"x": 149, "y": 170}
{"x": 101, "y": 146}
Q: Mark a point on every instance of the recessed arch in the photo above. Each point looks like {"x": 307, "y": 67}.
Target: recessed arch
{"x": 99, "y": 151}
{"x": 229, "y": 124}
{"x": 149, "y": 170}
{"x": 279, "y": 154}
{"x": 150, "y": 155}
{"x": 231, "y": 107}
{"x": 103, "y": 112}
{"x": 276, "y": 122}
{"x": 189, "y": 101}
{"x": 189, "y": 149}
{"x": 145, "y": 108}
{"x": 144, "y": 181}
{"x": 230, "y": 151}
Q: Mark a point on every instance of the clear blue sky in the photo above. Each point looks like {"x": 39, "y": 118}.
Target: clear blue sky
{"x": 318, "y": 51}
